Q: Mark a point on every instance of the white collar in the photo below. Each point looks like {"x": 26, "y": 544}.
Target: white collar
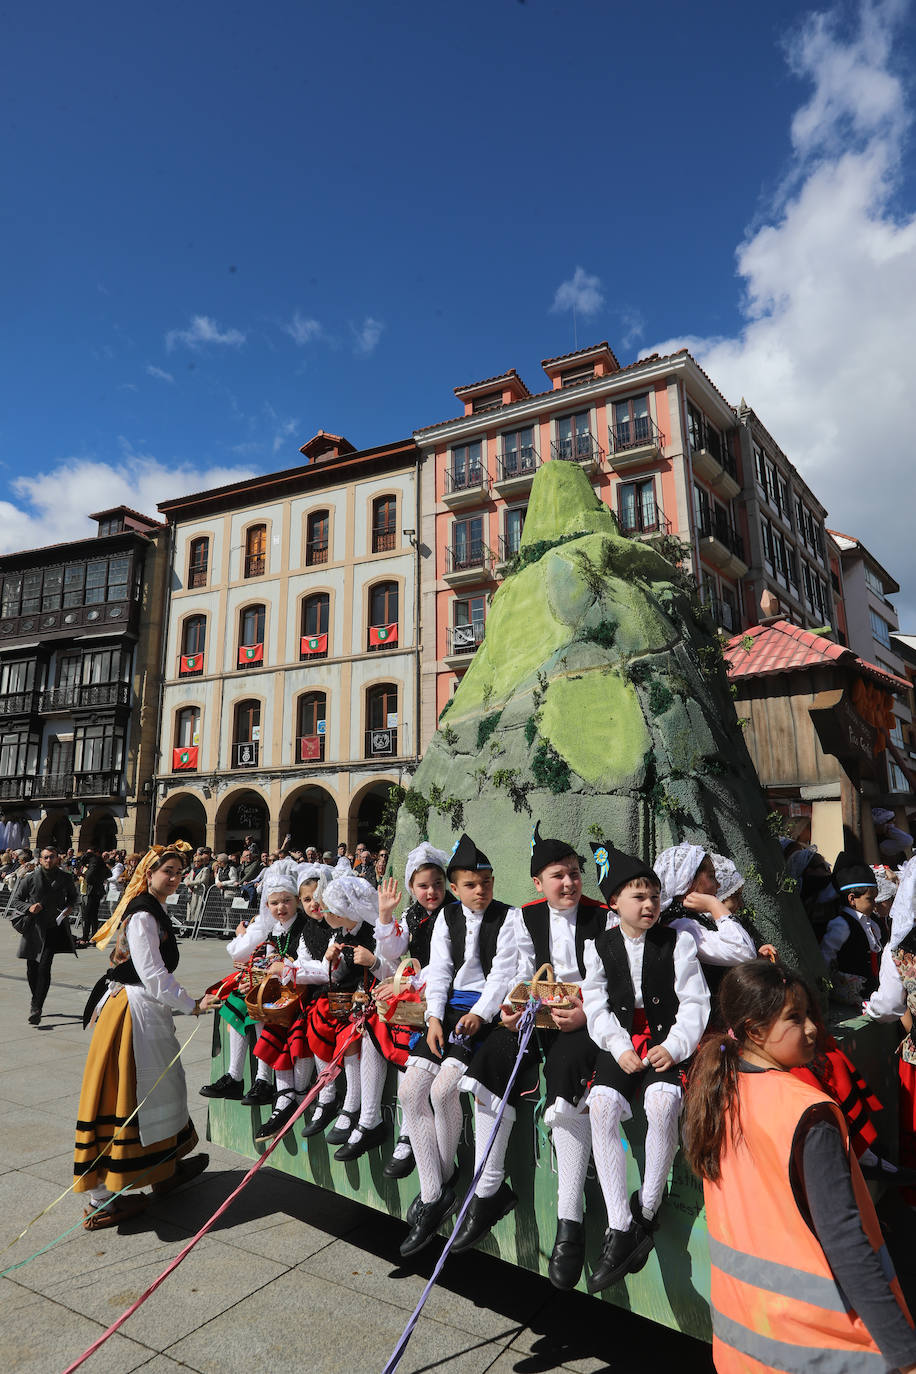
{"x": 568, "y": 915}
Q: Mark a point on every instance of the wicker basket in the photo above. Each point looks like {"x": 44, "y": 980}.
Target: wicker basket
{"x": 412, "y": 1014}
{"x": 250, "y": 977}
{"x": 545, "y": 986}
{"x": 273, "y": 1003}
{"x": 340, "y": 1005}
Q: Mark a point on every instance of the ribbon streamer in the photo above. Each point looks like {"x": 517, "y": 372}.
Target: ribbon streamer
{"x": 525, "y": 1032}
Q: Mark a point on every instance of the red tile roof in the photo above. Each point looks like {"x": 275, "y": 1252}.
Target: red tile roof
{"x": 579, "y": 353}
{"x": 781, "y": 647}
{"x": 485, "y": 381}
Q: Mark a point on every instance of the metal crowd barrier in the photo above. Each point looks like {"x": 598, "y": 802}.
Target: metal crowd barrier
{"x": 220, "y": 913}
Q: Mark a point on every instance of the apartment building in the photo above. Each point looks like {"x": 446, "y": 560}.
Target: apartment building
{"x": 80, "y": 636}
{"x": 659, "y": 443}
{"x": 290, "y": 673}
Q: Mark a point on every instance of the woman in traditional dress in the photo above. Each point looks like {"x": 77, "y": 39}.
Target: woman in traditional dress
{"x": 133, "y": 1055}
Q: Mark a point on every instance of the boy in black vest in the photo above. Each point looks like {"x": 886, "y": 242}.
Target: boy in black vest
{"x": 552, "y": 930}
{"x": 852, "y": 940}
{"x": 472, "y": 959}
{"x": 646, "y": 1005}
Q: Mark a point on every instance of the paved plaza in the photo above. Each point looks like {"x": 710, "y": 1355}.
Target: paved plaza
{"x": 291, "y": 1277}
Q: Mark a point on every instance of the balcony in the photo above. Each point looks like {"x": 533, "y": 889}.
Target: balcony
{"x": 581, "y": 449}
{"x": 255, "y": 564}
{"x": 53, "y": 785}
{"x": 644, "y": 523}
{"x": 382, "y": 743}
{"x": 515, "y": 471}
{"x": 316, "y": 552}
{"x": 461, "y": 642}
{"x": 471, "y": 562}
{"x": 384, "y": 539}
{"x": 311, "y": 748}
{"x": 508, "y": 548}
{"x": 715, "y": 465}
{"x": 245, "y": 753}
{"x": 16, "y": 789}
{"x": 634, "y": 443}
{"x": 18, "y": 704}
{"x": 723, "y": 617}
{"x": 81, "y": 696}
{"x": 466, "y": 487}
{"x": 121, "y": 615}
{"x": 107, "y": 783}
{"x": 722, "y": 546}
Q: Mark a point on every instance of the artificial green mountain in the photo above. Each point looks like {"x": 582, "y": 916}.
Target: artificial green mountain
{"x": 598, "y": 705}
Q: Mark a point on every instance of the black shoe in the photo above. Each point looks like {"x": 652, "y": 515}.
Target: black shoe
{"x": 649, "y": 1224}
{"x": 400, "y": 1168}
{"x": 227, "y": 1086}
{"x": 623, "y": 1252}
{"x": 341, "y": 1134}
{"x": 370, "y": 1137}
{"x": 412, "y": 1212}
{"x": 260, "y": 1094}
{"x": 568, "y": 1256}
{"x": 429, "y": 1217}
{"x": 482, "y": 1216}
{"x": 34, "y": 1018}
{"x": 274, "y": 1124}
{"x": 319, "y": 1118}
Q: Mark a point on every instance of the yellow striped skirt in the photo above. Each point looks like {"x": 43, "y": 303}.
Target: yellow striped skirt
{"x": 107, "y": 1098}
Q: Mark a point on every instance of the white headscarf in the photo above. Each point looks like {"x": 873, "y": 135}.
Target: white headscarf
{"x": 320, "y": 874}
{"x": 903, "y": 912}
{"x": 881, "y": 815}
{"x": 423, "y": 856}
{"x": 353, "y": 898}
{"x": 727, "y": 876}
{"x": 280, "y": 877}
{"x": 797, "y": 863}
{"x": 677, "y": 868}
{"x": 342, "y": 866}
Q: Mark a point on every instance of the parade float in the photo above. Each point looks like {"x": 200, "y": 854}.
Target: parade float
{"x": 598, "y": 706}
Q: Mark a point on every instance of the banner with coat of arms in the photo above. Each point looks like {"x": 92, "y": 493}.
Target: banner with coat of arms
{"x": 185, "y": 757}
{"x": 250, "y": 653}
{"x": 314, "y": 644}
{"x": 383, "y": 634}
{"x": 191, "y": 663}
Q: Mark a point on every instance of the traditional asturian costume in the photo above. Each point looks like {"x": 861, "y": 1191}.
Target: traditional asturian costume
{"x": 720, "y": 944}
{"x": 894, "y": 996}
{"x": 852, "y": 940}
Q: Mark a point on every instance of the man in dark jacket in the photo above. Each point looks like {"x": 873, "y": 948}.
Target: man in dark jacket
{"x": 94, "y": 873}
{"x": 44, "y": 900}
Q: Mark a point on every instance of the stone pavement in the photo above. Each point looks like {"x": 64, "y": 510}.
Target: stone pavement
{"x": 291, "y": 1276}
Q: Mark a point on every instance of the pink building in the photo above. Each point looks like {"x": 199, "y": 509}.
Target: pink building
{"x": 658, "y": 442}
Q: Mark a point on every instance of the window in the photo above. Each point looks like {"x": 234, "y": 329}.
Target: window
{"x": 251, "y": 636}
{"x": 52, "y": 589}
{"x": 785, "y": 505}
{"x": 187, "y": 727}
{"x": 702, "y": 509}
{"x": 695, "y": 427}
{"x": 519, "y": 455}
{"x": 574, "y": 439}
{"x": 12, "y": 594}
{"x": 792, "y": 566}
{"x": 880, "y": 628}
{"x": 467, "y": 630}
{"x": 637, "y": 511}
{"x": 779, "y": 555}
{"x": 102, "y": 665}
{"x": 873, "y": 581}
{"x": 98, "y": 748}
{"x": 467, "y": 469}
{"x": 17, "y": 676}
{"x": 315, "y": 619}
{"x": 31, "y": 592}
{"x": 631, "y": 422}
{"x": 255, "y": 550}
{"x": 317, "y": 531}
{"x": 384, "y": 524}
{"x": 18, "y": 755}
{"x": 493, "y": 400}
{"x": 383, "y": 614}
{"x": 760, "y": 467}
{"x": 198, "y": 560}
{"x": 382, "y": 720}
{"x": 514, "y": 525}
{"x": 766, "y": 539}
{"x": 113, "y": 525}
{"x": 467, "y": 543}
{"x": 246, "y": 736}
{"x": 194, "y": 635}
{"x": 575, "y": 376}
{"x": 310, "y": 727}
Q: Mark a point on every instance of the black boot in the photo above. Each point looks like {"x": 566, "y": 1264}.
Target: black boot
{"x": 260, "y": 1094}
{"x": 227, "y": 1087}
{"x": 428, "y": 1217}
{"x": 623, "y": 1252}
{"x": 565, "y": 1268}
{"x": 482, "y": 1216}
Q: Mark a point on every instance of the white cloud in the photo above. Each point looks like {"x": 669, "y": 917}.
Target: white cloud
{"x": 582, "y": 293}
{"x": 203, "y": 330}
{"x": 159, "y": 372}
{"x": 54, "y": 506}
{"x": 366, "y": 337}
{"x": 303, "y": 330}
{"x": 829, "y": 273}
{"x": 284, "y": 433}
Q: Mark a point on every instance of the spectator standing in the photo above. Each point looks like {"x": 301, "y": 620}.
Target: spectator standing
{"x": 198, "y": 881}
{"x": 94, "y": 875}
{"x": 226, "y": 876}
{"x": 44, "y": 900}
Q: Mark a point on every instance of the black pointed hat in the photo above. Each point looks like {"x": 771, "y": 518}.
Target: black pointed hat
{"x": 467, "y": 855}
{"x": 544, "y": 852}
{"x": 616, "y": 868}
{"x": 849, "y": 872}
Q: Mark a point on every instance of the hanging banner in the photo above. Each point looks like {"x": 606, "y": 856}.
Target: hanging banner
{"x": 383, "y": 634}
{"x": 314, "y": 644}
{"x": 250, "y": 653}
{"x": 184, "y": 758}
{"x": 191, "y": 663}
{"x": 309, "y": 747}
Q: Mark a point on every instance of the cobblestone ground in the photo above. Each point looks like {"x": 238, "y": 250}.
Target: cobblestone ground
{"x": 291, "y": 1277}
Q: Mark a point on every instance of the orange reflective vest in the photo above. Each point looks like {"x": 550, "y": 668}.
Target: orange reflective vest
{"x": 775, "y": 1303}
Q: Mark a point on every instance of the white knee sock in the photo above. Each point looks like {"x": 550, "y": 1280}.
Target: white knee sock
{"x": 99, "y": 1196}
{"x": 351, "y": 1070}
{"x": 572, "y": 1140}
{"x": 238, "y": 1050}
{"x": 662, "y": 1112}
{"x": 420, "y": 1125}
{"x": 329, "y": 1091}
{"x": 373, "y": 1070}
{"x": 446, "y": 1100}
{"x": 286, "y": 1087}
{"x": 263, "y": 1071}
{"x": 610, "y": 1160}
{"x": 302, "y": 1072}
{"x": 494, "y": 1171}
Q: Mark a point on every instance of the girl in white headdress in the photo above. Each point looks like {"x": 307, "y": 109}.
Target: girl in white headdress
{"x": 895, "y": 998}
{"x": 690, "y": 902}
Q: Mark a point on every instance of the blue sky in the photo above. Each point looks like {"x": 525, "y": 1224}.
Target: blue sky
{"x": 225, "y": 227}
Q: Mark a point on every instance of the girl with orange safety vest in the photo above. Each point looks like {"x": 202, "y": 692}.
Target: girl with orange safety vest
{"x": 800, "y": 1277}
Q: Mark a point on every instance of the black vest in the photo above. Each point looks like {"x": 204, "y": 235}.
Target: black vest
{"x": 490, "y": 926}
{"x": 355, "y": 976}
{"x": 420, "y": 924}
{"x": 659, "y": 997}
{"x": 291, "y": 937}
{"x": 854, "y": 955}
{"x": 168, "y": 945}
{"x": 316, "y": 936}
{"x": 590, "y": 922}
